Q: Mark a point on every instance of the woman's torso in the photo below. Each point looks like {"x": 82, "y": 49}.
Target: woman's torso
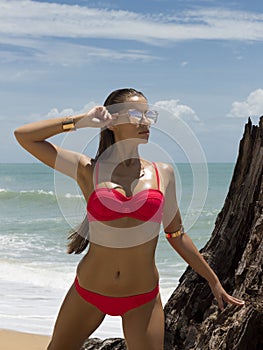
{"x": 119, "y": 271}
{"x": 126, "y": 268}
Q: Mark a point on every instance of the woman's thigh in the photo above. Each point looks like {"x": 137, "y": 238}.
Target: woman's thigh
{"x": 143, "y": 326}
{"x": 76, "y": 321}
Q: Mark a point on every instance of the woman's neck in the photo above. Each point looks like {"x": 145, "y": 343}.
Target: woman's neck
{"x": 124, "y": 153}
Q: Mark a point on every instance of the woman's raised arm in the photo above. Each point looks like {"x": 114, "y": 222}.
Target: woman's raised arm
{"x": 33, "y": 138}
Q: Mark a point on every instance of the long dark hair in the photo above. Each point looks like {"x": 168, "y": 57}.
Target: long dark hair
{"x": 78, "y": 238}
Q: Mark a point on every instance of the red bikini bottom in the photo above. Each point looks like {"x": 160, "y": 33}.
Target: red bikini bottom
{"x": 115, "y": 306}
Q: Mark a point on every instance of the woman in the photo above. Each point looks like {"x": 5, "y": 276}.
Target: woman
{"x": 127, "y": 199}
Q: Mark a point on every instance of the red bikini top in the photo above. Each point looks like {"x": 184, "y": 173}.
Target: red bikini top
{"x": 106, "y": 204}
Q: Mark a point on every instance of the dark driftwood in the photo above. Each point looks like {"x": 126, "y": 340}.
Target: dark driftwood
{"x": 235, "y": 251}
{"x": 107, "y": 344}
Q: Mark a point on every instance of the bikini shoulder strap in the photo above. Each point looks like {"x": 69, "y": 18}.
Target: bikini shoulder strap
{"x": 96, "y": 174}
{"x": 157, "y": 175}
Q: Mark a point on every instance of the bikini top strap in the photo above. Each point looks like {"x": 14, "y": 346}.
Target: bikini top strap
{"x": 157, "y": 175}
{"x": 96, "y": 174}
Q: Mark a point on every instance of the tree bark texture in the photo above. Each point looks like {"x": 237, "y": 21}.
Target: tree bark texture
{"x": 193, "y": 320}
{"x": 235, "y": 252}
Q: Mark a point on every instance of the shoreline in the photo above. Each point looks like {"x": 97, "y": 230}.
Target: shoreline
{"x": 12, "y": 340}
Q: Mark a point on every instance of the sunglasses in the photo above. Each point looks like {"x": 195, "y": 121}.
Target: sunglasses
{"x": 136, "y": 116}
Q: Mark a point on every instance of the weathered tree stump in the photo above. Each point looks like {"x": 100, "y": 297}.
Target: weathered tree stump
{"x": 235, "y": 251}
{"x": 107, "y": 344}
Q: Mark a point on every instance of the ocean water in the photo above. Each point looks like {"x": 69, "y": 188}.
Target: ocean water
{"x": 35, "y": 217}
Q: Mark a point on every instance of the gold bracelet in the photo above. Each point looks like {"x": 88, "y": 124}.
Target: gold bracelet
{"x": 68, "y": 124}
{"x": 176, "y": 233}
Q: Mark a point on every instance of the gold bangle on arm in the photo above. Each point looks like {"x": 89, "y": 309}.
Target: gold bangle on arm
{"x": 177, "y": 233}
{"x": 68, "y": 124}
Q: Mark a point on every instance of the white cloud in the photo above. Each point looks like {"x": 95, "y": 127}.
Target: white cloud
{"x": 55, "y": 113}
{"x": 252, "y": 106}
{"x": 178, "y": 110}
{"x": 64, "y": 53}
{"x": 58, "y": 34}
{"x": 40, "y": 19}
{"x": 184, "y": 63}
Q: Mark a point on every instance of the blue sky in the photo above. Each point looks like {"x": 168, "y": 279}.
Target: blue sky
{"x": 200, "y": 59}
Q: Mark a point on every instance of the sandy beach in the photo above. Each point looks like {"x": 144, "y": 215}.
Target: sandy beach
{"x": 12, "y": 340}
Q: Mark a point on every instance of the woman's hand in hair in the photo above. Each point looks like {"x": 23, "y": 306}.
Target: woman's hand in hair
{"x": 97, "y": 117}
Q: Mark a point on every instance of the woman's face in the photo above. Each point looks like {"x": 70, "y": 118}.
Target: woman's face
{"x": 133, "y": 120}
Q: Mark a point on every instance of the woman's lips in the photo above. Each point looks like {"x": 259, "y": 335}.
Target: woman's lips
{"x": 144, "y": 132}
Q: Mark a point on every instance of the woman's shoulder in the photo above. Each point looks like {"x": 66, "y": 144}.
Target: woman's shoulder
{"x": 166, "y": 173}
{"x": 165, "y": 168}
